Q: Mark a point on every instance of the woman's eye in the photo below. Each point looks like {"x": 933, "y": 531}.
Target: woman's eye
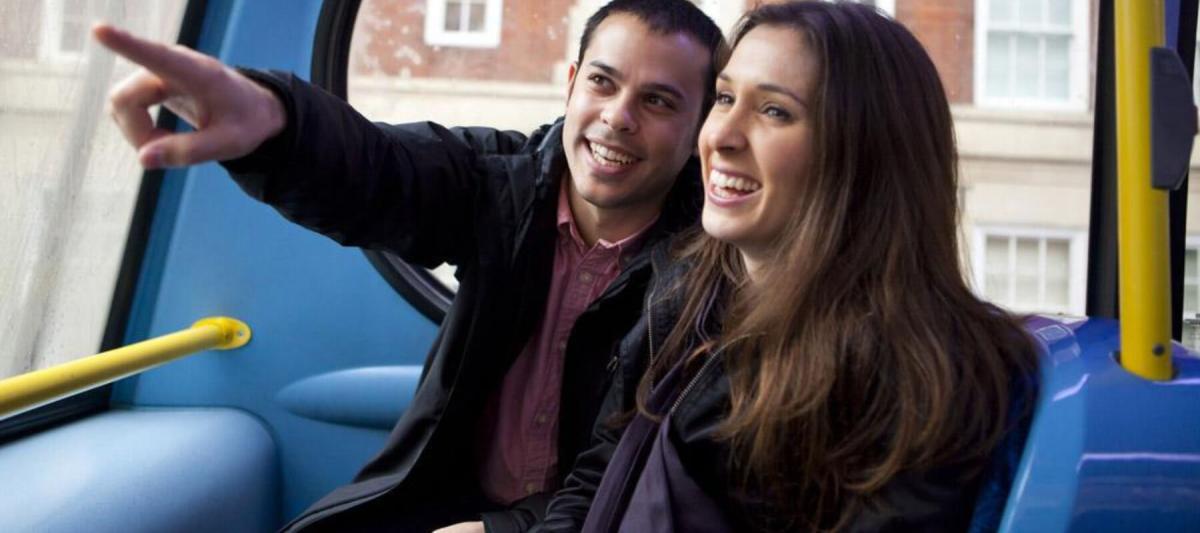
{"x": 777, "y": 113}
{"x": 724, "y": 99}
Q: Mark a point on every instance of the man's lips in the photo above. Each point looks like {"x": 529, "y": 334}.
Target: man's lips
{"x": 608, "y": 155}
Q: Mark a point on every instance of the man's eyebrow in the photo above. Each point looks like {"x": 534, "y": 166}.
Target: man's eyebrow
{"x": 671, "y": 90}
{"x": 769, "y": 87}
{"x": 607, "y": 69}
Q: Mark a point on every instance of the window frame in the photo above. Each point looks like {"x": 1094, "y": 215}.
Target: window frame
{"x": 1077, "y": 249}
{"x": 1077, "y": 62}
{"x": 437, "y": 35}
{"x": 330, "y": 70}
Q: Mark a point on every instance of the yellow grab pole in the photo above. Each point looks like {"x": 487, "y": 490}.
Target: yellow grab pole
{"x": 33, "y": 389}
{"x": 1141, "y": 210}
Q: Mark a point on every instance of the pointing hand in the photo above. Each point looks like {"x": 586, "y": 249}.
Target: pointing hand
{"x": 232, "y": 114}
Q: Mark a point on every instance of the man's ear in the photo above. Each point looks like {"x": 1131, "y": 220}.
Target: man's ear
{"x": 572, "y": 70}
{"x": 696, "y": 137}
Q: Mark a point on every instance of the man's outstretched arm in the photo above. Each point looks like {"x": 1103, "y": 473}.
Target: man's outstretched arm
{"x": 410, "y": 189}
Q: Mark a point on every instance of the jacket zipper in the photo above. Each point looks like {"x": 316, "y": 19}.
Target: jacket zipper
{"x": 650, "y": 327}
{"x": 692, "y": 384}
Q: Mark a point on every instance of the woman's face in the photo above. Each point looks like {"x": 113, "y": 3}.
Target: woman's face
{"x": 756, "y": 143}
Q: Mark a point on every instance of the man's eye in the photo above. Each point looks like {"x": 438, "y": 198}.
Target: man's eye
{"x": 658, "y": 101}
{"x": 599, "y": 81}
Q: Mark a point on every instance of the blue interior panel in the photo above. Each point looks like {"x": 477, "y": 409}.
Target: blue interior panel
{"x": 314, "y": 307}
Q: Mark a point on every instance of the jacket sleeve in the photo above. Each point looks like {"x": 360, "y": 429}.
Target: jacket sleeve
{"x": 410, "y": 189}
{"x": 519, "y": 517}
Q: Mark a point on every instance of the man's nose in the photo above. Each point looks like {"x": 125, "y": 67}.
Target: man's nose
{"x": 620, "y": 114}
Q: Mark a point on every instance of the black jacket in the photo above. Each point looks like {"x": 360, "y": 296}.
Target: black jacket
{"x": 485, "y": 201}
{"x": 942, "y": 500}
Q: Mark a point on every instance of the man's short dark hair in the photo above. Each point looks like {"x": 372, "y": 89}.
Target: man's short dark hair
{"x": 666, "y": 17}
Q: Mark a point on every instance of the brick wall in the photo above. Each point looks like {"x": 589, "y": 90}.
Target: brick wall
{"x": 536, "y": 37}
{"x": 394, "y": 43}
{"x": 947, "y": 30}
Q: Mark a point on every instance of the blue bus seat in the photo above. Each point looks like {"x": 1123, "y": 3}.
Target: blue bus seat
{"x": 144, "y": 470}
{"x": 1106, "y": 450}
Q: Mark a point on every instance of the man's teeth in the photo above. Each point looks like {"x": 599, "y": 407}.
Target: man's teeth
{"x": 610, "y": 156}
{"x": 725, "y": 181}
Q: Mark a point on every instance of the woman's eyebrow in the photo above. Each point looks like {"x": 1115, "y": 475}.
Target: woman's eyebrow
{"x": 769, "y": 87}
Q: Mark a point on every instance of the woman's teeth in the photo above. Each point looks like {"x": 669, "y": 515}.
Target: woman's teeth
{"x": 727, "y": 186}
{"x": 609, "y": 156}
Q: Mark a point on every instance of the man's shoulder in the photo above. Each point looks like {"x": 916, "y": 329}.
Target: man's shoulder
{"x": 490, "y": 141}
{"x": 546, "y": 135}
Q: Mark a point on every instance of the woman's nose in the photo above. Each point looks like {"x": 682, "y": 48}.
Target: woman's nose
{"x": 723, "y": 131}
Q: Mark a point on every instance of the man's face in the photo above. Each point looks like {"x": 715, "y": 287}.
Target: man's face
{"x": 633, "y": 110}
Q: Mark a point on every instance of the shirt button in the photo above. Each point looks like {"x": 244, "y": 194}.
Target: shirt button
{"x": 585, "y": 277}
{"x": 540, "y": 419}
{"x": 530, "y": 488}
{"x": 562, "y": 345}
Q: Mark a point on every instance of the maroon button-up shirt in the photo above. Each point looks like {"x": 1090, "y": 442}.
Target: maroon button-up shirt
{"x": 519, "y": 453}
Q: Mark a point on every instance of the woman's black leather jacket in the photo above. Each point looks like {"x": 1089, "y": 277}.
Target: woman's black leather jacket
{"x": 931, "y": 501}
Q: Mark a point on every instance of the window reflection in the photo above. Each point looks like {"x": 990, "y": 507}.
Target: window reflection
{"x": 68, "y": 180}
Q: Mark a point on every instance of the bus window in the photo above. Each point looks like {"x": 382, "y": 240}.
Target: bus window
{"x": 1191, "y": 275}
{"x": 459, "y": 63}
{"x": 1017, "y": 72}
{"x": 68, "y": 180}
{"x": 1023, "y": 115}
{"x": 495, "y": 63}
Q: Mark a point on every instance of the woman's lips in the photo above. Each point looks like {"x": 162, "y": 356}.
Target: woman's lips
{"x": 727, "y": 188}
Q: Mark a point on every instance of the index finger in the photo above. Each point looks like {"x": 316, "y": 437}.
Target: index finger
{"x": 173, "y": 64}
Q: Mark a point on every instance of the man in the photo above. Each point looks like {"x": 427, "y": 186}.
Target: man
{"x": 550, "y": 235}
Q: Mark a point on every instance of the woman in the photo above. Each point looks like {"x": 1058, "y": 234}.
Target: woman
{"x": 814, "y": 360}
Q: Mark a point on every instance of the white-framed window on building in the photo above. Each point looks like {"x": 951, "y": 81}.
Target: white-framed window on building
{"x": 1031, "y": 270}
{"x": 466, "y": 23}
{"x": 65, "y": 26}
{"x": 1031, "y": 53}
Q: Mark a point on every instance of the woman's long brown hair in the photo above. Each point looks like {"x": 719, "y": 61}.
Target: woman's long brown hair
{"x": 861, "y": 354}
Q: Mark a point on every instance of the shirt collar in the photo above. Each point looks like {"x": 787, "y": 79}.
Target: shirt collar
{"x": 568, "y": 229}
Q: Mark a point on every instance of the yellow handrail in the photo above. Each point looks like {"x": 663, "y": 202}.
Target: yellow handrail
{"x": 33, "y": 389}
{"x": 1141, "y": 210}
